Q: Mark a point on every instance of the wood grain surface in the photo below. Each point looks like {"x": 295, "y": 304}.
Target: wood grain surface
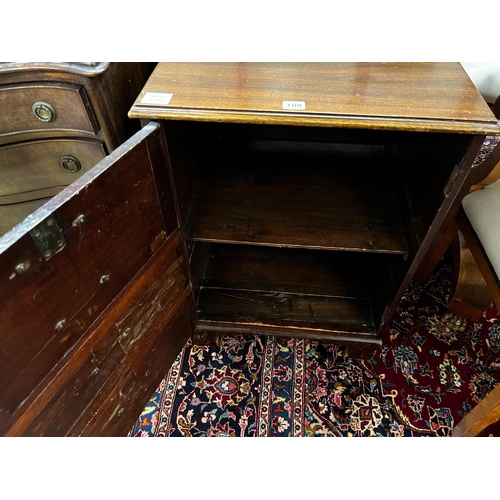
{"x": 29, "y": 167}
{"x": 72, "y": 110}
{"x": 115, "y": 352}
{"x": 271, "y": 269}
{"x": 246, "y": 284}
{"x": 123, "y": 228}
{"x": 331, "y": 201}
{"x": 400, "y": 96}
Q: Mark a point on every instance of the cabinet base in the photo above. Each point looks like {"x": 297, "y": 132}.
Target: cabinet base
{"x": 357, "y": 347}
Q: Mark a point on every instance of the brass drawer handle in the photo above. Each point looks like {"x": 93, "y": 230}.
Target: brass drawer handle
{"x": 44, "y": 111}
{"x": 70, "y": 164}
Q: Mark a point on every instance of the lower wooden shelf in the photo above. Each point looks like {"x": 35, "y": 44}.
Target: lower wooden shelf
{"x": 290, "y": 292}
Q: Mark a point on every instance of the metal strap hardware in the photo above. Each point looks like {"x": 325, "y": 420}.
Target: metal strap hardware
{"x": 48, "y": 237}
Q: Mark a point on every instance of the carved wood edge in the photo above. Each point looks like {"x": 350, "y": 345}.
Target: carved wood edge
{"x": 490, "y": 167}
{"x": 143, "y": 111}
{"x": 75, "y": 68}
{"x": 487, "y": 172}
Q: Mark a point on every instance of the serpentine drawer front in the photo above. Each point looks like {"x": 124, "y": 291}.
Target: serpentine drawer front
{"x": 57, "y": 120}
{"x": 45, "y": 106}
{"x": 31, "y": 167}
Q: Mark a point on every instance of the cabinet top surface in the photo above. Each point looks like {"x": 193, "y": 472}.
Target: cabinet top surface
{"x": 428, "y": 97}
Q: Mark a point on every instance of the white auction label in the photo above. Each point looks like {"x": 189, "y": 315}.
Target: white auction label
{"x": 156, "y": 98}
{"x": 294, "y": 105}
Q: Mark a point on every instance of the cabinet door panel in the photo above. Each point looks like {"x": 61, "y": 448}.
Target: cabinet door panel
{"x": 54, "y": 312}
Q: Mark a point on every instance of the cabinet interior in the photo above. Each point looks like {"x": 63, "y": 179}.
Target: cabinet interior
{"x": 296, "y": 230}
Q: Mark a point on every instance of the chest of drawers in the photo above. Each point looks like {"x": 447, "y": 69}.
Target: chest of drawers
{"x": 57, "y": 121}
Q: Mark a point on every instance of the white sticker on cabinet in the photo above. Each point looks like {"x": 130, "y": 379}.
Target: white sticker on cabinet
{"x": 156, "y": 98}
{"x": 294, "y": 105}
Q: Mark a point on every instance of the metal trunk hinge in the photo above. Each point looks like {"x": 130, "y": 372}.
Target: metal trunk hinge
{"x": 48, "y": 238}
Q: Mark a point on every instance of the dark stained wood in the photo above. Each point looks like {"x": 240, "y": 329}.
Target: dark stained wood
{"x": 111, "y": 96}
{"x": 485, "y": 413}
{"x": 103, "y": 334}
{"x": 123, "y": 228}
{"x": 303, "y": 293}
{"x": 426, "y": 164}
{"x": 455, "y": 190}
{"x": 474, "y": 281}
{"x": 158, "y": 157}
{"x": 425, "y": 270}
{"x": 247, "y": 306}
{"x": 331, "y": 177}
{"x": 248, "y": 191}
{"x": 269, "y": 269}
{"x": 198, "y": 255}
{"x": 138, "y": 319}
{"x": 480, "y": 176}
{"x": 121, "y": 407}
{"x": 403, "y": 96}
{"x": 329, "y": 201}
{"x": 496, "y": 107}
{"x": 234, "y": 191}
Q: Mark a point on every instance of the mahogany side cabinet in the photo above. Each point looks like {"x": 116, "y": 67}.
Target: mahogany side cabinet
{"x": 272, "y": 199}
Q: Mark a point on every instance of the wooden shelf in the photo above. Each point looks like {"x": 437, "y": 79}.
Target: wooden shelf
{"x": 331, "y": 199}
{"x": 251, "y": 287}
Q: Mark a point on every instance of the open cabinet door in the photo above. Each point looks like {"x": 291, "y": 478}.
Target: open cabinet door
{"x": 95, "y": 299}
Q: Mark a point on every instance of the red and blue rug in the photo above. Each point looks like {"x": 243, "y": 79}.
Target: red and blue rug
{"x": 430, "y": 371}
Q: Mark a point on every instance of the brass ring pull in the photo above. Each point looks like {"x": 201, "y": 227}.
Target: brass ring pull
{"x": 44, "y": 111}
{"x": 70, "y": 164}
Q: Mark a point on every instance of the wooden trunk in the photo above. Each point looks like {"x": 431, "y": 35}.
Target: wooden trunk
{"x": 90, "y": 327}
{"x": 234, "y": 214}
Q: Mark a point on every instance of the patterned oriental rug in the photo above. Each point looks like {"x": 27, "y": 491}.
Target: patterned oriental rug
{"x": 432, "y": 368}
